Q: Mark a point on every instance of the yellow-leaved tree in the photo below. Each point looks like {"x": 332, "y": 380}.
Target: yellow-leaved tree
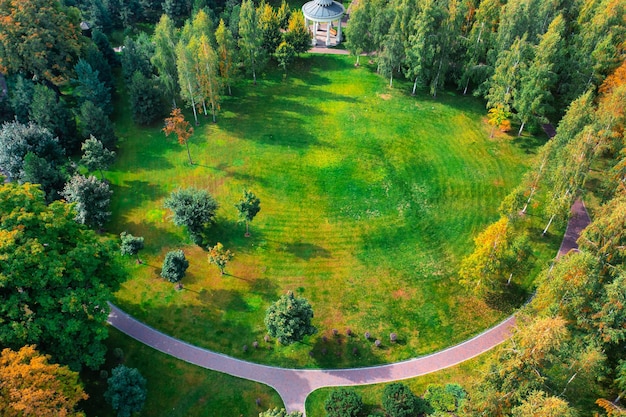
{"x": 31, "y": 386}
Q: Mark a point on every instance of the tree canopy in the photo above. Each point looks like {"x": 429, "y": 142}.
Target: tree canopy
{"x": 289, "y": 319}
{"x": 126, "y": 390}
{"x": 32, "y": 386}
{"x": 56, "y": 276}
{"x": 28, "y": 32}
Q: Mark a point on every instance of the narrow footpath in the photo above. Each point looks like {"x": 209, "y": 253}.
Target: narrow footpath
{"x": 294, "y": 385}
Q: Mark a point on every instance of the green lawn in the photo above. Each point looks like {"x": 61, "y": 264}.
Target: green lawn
{"x": 466, "y": 374}
{"x": 369, "y": 200}
{"x": 176, "y": 388}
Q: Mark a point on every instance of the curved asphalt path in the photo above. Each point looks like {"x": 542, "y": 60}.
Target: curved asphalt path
{"x": 294, "y": 385}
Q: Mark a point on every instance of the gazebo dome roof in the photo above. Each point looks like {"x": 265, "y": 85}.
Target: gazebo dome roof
{"x": 323, "y": 10}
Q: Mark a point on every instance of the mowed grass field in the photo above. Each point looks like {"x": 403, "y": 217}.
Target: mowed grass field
{"x": 370, "y": 198}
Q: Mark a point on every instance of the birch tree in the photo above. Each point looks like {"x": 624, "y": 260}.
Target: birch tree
{"x": 251, "y": 39}
{"x": 164, "y": 58}
{"x": 226, "y": 52}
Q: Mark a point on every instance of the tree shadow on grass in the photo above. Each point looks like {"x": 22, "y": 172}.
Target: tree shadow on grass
{"x": 307, "y": 251}
{"x": 508, "y": 299}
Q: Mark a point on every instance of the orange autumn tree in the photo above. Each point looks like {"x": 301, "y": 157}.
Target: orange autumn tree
{"x": 177, "y": 124}
{"x": 30, "y": 386}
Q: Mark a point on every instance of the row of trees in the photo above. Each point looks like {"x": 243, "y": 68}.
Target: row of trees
{"x": 399, "y": 401}
{"x": 523, "y": 56}
{"x": 567, "y": 352}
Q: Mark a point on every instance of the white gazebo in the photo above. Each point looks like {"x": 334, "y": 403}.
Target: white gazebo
{"x": 324, "y": 11}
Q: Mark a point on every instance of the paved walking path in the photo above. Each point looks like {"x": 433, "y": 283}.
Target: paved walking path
{"x": 294, "y": 385}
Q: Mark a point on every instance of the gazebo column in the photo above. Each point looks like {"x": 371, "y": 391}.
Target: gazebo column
{"x": 314, "y": 37}
{"x": 339, "y": 32}
{"x": 328, "y": 26}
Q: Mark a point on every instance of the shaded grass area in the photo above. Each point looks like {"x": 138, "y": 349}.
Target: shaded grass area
{"x": 369, "y": 200}
{"x": 467, "y": 374}
{"x": 176, "y": 388}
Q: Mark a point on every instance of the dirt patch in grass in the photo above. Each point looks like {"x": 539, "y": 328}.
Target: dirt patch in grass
{"x": 385, "y": 96}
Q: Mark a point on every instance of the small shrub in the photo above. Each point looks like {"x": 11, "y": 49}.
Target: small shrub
{"x": 367, "y": 335}
{"x": 348, "y": 332}
{"x": 393, "y": 337}
{"x": 355, "y": 351}
{"x": 377, "y": 343}
{"x": 255, "y": 344}
{"x": 335, "y": 332}
{"x": 118, "y": 354}
{"x": 245, "y": 348}
{"x": 266, "y": 338}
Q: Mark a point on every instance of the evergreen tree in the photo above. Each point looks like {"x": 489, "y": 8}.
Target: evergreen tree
{"x": 145, "y": 99}
{"x": 289, "y": 319}
{"x": 92, "y": 121}
{"x": 21, "y": 96}
{"x": 96, "y": 156}
{"x": 89, "y": 87}
{"x": 50, "y": 111}
{"x": 136, "y": 57}
{"x": 126, "y": 391}
{"x": 174, "y": 266}
{"x": 91, "y": 197}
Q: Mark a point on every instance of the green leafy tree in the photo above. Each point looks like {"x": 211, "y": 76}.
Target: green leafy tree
{"x": 96, "y": 156}
{"x": 440, "y": 399}
{"x": 533, "y": 97}
{"x": 219, "y": 256}
{"x": 58, "y": 301}
{"x": 164, "y": 59}
{"x": 285, "y": 53}
{"x": 540, "y": 404}
{"x": 92, "y": 121}
{"x": 248, "y": 207}
{"x": 29, "y": 29}
{"x": 91, "y": 198}
{"x": 284, "y": 14}
{"x": 343, "y": 402}
{"x": 33, "y": 386}
{"x": 193, "y": 208}
{"x": 275, "y": 412}
{"x": 251, "y": 39}
{"x": 131, "y": 245}
{"x": 399, "y": 401}
{"x": 359, "y": 39}
{"x": 226, "y": 53}
{"x": 145, "y": 99}
{"x": 504, "y": 83}
{"x": 207, "y": 73}
{"x": 126, "y": 391}
{"x": 289, "y": 319}
{"x": 177, "y": 10}
{"x": 174, "y": 266}
{"x": 269, "y": 25}
{"x": 298, "y": 35}
{"x": 89, "y": 87}
{"x": 185, "y": 65}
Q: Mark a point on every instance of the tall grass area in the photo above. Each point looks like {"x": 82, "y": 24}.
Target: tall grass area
{"x": 370, "y": 198}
